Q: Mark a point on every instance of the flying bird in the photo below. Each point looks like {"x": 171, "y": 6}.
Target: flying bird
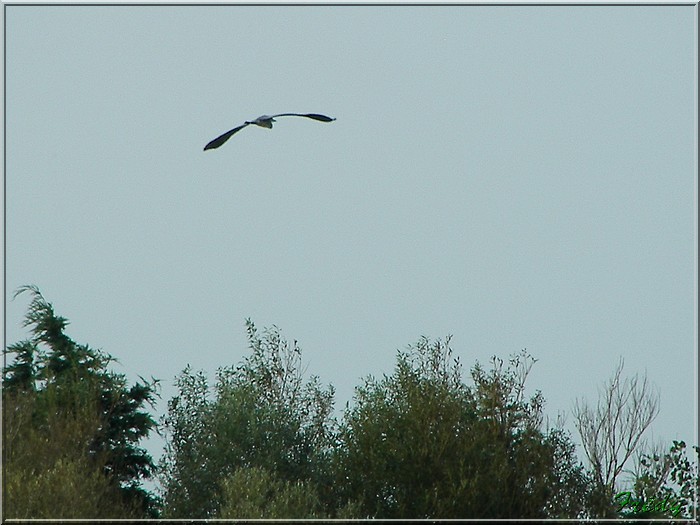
{"x": 265, "y": 121}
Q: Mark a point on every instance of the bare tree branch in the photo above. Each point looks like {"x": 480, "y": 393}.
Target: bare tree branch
{"x": 612, "y": 431}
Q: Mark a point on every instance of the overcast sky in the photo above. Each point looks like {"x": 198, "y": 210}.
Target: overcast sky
{"x": 518, "y": 177}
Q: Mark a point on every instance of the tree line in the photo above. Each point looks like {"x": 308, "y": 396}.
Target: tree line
{"x": 264, "y": 441}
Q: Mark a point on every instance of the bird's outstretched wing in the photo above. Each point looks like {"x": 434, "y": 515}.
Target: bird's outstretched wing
{"x": 218, "y": 141}
{"x": 314, "y": 116}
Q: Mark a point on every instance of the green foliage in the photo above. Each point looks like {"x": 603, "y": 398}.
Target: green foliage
{"x": 20, "y": 375}
{"x": 66, "y": 415}
{"x": 422, "y": 444}
{"x": 263, "y": 443}
{"x": 50, "y": 471}
{"x": 263, "y": 415}
{"x": 255, "y": 493}
{"x": 189, "y": 470}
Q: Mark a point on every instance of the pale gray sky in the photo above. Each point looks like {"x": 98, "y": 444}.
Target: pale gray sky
{"x": 519, "y": 177}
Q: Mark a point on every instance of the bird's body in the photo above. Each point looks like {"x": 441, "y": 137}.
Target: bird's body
{"x": 264, "y": 121}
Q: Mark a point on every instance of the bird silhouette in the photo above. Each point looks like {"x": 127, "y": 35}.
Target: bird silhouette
{"x": 264, "y": 121}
